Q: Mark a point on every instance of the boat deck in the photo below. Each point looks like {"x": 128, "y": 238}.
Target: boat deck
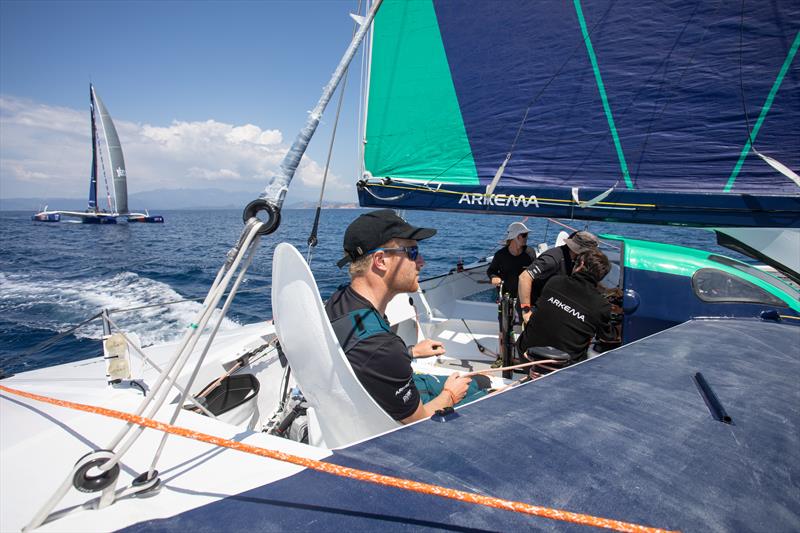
{"x": 625, "y": 436}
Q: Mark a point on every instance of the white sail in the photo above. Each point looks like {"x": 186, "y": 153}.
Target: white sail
{"x": 117, "y": 160}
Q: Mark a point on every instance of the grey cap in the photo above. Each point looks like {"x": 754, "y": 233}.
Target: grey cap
{"x": 514, "y": 229}
{"x": 581, "y": 241}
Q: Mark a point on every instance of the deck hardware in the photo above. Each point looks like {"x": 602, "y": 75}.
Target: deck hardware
{"x": 713, "y": 403}
{"x": 444, "y": 415}
{"x": 146, "y": 484}
{"x": 273, "y": 214}
{"x": 84, "y": 482}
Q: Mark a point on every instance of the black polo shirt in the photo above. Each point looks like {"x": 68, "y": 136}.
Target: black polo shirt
{"x": 569, "y": 312}
{"x": 380, "y": 359}
{"x": 508, "y": 267}
{"x": 549, "y": 263}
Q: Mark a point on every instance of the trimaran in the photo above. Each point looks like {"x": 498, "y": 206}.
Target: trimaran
{"x": 117, "y": 191}
{"x": 654, "y": 112}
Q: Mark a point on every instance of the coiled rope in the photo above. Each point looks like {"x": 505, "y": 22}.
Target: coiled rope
{"x": 343, "y": 471}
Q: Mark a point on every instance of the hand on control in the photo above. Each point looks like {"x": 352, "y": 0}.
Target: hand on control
{"x": 457, "y": 385}
{"x": 428, "y": 348}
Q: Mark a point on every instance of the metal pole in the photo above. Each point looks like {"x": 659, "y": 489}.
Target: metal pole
{"x": 271, "y": 200}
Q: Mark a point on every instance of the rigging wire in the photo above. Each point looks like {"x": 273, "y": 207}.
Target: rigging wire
{"x": 52, "y": 340}
{"x": 361, "y": 133}
{"x": 533, "y": 100}
{"x": 188, "y": 343}
{"x": 251, "y": 249}
{"x": 586, "y": 227}
{"x": 57, "y": 337}
{"x": 669, "y": 82}
{"x": 312, "y": 238}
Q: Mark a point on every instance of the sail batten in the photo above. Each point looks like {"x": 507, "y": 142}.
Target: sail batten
{"x": 650, "y": 96}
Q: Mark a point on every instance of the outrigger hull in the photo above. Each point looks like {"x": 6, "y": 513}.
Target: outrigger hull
{"x": 146, "y": 219}
{"x": 46, "y": 217}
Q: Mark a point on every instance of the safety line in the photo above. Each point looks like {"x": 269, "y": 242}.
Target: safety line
{"x": 600, "y": 87}
{"x": 764, "y": 111}
{"x": 343, "y": 471}
{"x": 540, "y": 200}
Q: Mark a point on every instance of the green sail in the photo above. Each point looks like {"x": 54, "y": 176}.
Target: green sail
{"x": 414, "y": 125}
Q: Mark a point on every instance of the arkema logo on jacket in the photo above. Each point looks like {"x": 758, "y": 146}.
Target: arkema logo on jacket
{"x": 564, "y": 307}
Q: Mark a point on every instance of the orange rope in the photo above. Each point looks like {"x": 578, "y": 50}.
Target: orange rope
{"x": 343, "y": 471}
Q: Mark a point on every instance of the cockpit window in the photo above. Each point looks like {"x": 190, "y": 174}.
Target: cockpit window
{"x": 757, "y": 273}
{"x": 712, "y": 285}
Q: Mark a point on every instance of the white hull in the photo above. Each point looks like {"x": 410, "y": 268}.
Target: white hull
{"x": 40, "y": 443}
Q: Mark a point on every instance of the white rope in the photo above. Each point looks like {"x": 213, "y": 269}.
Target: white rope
{"x": 589, "y": 203}
{"x": 498, "y": 174}
{"x": 251, "y": 249}
{"x": 184, "y": 351}
{"x": 777, "y": 165}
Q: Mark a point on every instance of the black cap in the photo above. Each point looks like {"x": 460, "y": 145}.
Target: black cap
{"x": 372, "y": 229}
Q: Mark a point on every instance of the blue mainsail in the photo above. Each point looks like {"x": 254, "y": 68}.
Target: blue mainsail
{"x": 664, "y": 107}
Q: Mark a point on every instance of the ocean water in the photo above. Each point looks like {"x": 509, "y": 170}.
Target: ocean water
{"x": 54, "y": 276}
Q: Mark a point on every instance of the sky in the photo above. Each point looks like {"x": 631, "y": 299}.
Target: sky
{"x": 204, "y": 94}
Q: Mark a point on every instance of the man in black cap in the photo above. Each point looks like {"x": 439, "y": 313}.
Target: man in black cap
{"x": 558, "y": 260}
{"x": 384, "y": 260}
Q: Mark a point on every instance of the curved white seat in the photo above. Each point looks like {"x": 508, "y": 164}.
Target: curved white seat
{"x": 342, "y": 411}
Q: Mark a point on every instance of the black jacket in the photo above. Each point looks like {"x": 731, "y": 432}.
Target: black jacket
{"x": 569, "y": 312}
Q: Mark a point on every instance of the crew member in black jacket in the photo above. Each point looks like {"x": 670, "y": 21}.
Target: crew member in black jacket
{"x": 571, "y": 310}
{"x": 558, "y": 260}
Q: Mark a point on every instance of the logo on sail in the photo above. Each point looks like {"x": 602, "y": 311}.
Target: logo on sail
{"x": 120, "y": 172}
{"x": 502, "y": 200}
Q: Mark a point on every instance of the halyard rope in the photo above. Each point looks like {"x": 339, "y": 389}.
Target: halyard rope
{"x": 343, "y": 471}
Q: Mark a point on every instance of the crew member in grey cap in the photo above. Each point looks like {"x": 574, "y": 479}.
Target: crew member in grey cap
{"x": 384, "y": 260}
{"x": 509, "y": 262}
{"x": 558, "y": 260}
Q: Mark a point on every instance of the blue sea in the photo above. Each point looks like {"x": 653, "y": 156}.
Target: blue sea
{"x": 54, "y": 276}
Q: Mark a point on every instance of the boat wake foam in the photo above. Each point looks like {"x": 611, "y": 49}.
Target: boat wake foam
{"x": 58, "y": 305}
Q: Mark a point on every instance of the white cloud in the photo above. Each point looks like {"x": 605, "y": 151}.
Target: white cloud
{"x": 47, "y": 144}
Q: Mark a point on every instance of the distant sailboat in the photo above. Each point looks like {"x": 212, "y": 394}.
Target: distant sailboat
{"x": 117, "y": 193}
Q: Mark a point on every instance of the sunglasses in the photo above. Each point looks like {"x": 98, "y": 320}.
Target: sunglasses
{"x": 523, "y": 235}
{"x": 411, "y": 251}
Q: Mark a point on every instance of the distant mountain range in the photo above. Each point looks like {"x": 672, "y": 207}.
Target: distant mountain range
{"x": 163, "y": 199}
